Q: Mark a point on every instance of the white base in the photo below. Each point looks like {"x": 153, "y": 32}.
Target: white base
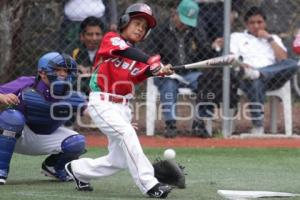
{"x": 243, "y": 195}
{"x": 249, "y": 135}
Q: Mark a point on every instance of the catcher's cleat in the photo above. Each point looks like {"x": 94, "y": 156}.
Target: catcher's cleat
{"x": 2, "y": 180}
{"x": 80, "y": 185}
{"x": 49, "y": 171}
{"x": 160, "y": 190}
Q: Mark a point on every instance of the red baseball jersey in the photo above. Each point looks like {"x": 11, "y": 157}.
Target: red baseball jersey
{"x": 115, "y": 74}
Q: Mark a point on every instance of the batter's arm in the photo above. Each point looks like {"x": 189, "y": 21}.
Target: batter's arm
{"x": 133, "y": 54}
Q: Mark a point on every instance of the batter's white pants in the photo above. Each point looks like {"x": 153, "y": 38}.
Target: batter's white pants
{"x": 33, "y": 144}
{"x": 125, "y": 151}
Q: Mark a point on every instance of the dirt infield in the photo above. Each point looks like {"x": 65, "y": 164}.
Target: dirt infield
{"x": 156, "y": 141}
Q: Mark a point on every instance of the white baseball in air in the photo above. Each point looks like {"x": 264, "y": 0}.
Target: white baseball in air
{"x": 169, "y": 154}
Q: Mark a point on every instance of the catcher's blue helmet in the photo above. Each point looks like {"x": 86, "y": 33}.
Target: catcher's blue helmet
{"x": 50, "y": 61}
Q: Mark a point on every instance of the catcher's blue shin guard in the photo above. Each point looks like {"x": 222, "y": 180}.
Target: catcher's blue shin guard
{"x": 11, "y": 125}
{"x": 72, "y": 148}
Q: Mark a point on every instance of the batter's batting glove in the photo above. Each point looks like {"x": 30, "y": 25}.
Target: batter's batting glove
{"x": 166, "y": 70}
{"x": 155, "y": 64}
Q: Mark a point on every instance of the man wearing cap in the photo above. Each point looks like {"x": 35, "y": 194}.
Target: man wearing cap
{"x": 178, "y": 41}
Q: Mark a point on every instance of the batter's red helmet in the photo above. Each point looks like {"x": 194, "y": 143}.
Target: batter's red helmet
{"x": 138, "y": 10}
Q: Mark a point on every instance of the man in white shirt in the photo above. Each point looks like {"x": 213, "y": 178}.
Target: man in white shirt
{"x": 267, "y": 66}
{"x": 266, "y": 53}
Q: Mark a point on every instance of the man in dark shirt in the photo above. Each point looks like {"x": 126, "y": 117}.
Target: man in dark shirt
{"x": 91, "y": 33}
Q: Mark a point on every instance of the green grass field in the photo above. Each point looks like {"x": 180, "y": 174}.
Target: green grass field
{"x": 208, "y": 170}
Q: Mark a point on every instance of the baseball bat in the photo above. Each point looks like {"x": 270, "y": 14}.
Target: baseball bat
{"x": 217, "y": 62}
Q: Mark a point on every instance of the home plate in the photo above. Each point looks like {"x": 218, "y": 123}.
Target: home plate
{"x": 243, "y": 195}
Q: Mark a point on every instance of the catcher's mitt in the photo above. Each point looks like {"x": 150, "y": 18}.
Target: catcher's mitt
{"x": 169, "y": 172}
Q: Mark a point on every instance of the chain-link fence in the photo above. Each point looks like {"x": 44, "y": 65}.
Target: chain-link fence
{"x": 29, "y": 28}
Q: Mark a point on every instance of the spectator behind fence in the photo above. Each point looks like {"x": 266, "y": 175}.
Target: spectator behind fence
{"x": 179, "y": 42}
{"x": 75, "y": 11}
{"x": 209, "y": 92}
{"x": 267, "y": 66}
{"x": 211, "y": 18}
{"x": 26, "y": 125}
{"x": 91, "y": 33}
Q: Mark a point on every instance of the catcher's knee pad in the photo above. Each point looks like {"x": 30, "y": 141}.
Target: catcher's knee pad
{"x": 72, "y": 147}
{"x": 75, "y": 145}
{"x": 11, "y": 125}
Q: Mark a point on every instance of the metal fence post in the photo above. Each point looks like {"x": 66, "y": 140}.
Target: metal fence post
{"x": 226, "y": 130}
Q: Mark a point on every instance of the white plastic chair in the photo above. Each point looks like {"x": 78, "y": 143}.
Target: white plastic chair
{"x": 151, "y": 109}
{"x": 284, "y": 94}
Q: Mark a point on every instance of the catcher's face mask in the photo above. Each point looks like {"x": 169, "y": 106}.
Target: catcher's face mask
{"x": 61, "y": 71}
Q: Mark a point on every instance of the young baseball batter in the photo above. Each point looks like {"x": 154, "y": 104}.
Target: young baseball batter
{"x": 118, "y": 67}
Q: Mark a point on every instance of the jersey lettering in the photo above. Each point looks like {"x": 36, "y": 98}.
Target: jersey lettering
{"x": 117, "y": 70}
{"x": 119, "y": 62}
{"x": 125, "y": 65}
{"x": 131, "y": 65}
{"x": 135, "y": 71}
